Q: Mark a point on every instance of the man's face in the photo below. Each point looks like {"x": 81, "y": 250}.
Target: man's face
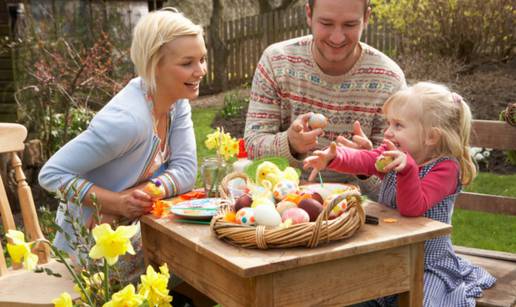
{"x": 336, "y": 27}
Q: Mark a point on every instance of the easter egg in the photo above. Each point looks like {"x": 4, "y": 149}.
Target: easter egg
{"x": 155, "y": 189}
{"x": 341, "y": 205}
{"x": 284, "y": 205}
{"x": 245, "y": 216}
{"x": 317, "y": 120}
{"x": 382, "y": 162}
{"x": 267, "y": 215}
{"x": 283, "y": 188}
{"x": 312, "y": 207}
{"x": 243, "y": 201}
{"x": 297, "y": 215}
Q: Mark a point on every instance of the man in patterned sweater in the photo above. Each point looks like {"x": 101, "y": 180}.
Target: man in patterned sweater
{"x": 329, "y": 72}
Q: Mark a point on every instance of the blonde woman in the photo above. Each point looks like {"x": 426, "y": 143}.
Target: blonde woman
{"x": 427, "y": 139}
{"x": 145, "y": 132}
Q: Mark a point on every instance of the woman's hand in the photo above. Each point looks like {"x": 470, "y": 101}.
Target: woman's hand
{"x": 135, "y": 203}
{"x": 400, "y": 158}
{"x": 319, "y": 160}
{"x": 359, "y": 139}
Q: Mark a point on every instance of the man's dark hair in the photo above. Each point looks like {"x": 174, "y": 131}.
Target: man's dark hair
{"x": 312, "y": 2}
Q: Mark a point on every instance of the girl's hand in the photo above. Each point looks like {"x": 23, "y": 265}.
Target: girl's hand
{"x": 135, "y": 203}
{"x": 319, "y": 160}
{"x": 400, "y": 158}
{"x": 359, "y": 139}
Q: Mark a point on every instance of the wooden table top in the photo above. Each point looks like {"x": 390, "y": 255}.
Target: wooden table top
{"x": 252, "y": 262}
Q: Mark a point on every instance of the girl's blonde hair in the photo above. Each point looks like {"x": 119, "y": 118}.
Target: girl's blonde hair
{"x": 447, "y": 112}
{"x": 151, "y": 33}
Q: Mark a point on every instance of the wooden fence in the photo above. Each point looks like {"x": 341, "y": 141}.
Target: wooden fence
{"x": 247, "y": 37}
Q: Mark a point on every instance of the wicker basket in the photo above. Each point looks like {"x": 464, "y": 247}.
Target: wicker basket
{"x": 309, "y": 234}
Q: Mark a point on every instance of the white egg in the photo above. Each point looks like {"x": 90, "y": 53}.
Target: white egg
{"x": 266, "y": 215}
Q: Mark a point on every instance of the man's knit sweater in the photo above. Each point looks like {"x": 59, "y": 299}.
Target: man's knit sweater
{"x": 288, "y": 82}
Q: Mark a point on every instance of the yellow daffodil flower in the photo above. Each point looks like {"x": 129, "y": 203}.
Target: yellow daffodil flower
{"x": 154, "y": 286}
{"x": 223, "y": 143}
{"x": 92, "y": 284}
{"x": 64, "y": 300}
{"x": 125, "y": 298}
{"x": 111, "y": 244}
{"x": 19, "y": 250}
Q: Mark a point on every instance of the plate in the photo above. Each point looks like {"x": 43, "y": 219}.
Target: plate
{"x": 328, "y": 189}
{"x": 197, "y": 209}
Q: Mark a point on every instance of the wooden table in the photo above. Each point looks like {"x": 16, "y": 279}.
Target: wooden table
{"x": 377, "y": 261}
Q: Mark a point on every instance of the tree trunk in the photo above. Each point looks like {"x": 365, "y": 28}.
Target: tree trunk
{"x": 220, "y": 52}
{"x": 266, "y": 5}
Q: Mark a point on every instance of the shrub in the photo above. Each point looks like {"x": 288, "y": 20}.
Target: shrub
{"x": 456, "y": 28}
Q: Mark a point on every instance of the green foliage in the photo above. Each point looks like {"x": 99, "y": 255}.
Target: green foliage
{"x": 66, "y": 65}
{"x": 460, "y": 29}
{"x": 78, "y": 120}
{"x": 234, "y": 103}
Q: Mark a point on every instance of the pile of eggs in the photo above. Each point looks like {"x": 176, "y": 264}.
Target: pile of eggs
{"x": 286, "y": 205}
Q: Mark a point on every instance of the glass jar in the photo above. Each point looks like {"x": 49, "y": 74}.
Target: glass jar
{"x": 213, "y": 171}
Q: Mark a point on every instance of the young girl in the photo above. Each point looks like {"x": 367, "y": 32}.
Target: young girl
{"x": 427, "y": 139}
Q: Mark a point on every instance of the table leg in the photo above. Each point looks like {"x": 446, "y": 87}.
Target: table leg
{"x": 414, "y": 297}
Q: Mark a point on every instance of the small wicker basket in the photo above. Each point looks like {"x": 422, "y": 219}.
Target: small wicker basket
{"x": 309, "y": 234}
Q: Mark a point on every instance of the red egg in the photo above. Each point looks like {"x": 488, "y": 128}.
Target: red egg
{"x": 312, "y": 207}
{"x": 243, "y": 201}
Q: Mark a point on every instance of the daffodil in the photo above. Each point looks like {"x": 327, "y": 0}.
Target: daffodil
{"x": 223, "y": 143}
{"x": 64, "y": 300}
{"x": 154, "y": 286}
{"x": 125, "y": 298}
{"x": 91, "y": 285}
{"x": 19, "y": 250}
{"x": 111, "y": 244}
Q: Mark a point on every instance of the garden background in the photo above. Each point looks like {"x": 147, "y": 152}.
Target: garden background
{"x": 68, "y": 58}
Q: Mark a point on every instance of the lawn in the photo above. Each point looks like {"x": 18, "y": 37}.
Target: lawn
{"x": 473, "y": 229}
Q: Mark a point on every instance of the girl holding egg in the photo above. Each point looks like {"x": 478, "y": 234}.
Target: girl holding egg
{"x": 427, "y": 142}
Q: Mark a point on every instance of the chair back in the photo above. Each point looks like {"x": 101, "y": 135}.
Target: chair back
{"x": 497, "y": 135}
{"x": 12, "y": 137}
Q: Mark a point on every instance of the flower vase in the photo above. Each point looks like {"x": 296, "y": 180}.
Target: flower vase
{"x": 213, "y": 170}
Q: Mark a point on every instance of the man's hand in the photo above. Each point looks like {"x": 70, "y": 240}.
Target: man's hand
{"x": 319, "y": 160}
{"x": 359, "y": 139}
{"x": 300, "y": 138}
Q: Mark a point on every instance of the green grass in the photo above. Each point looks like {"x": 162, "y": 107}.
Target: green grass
{"x": 202, "y": 119}
{"x": 470, "y": 228}
{"x": 487, "y": 230}
{"x": 489, "y": 183}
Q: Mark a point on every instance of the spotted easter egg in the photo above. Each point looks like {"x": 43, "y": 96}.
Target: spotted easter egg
{"x": 283, "y": 188}
{"x": 245, "y": 216}
{"x": 317, "y": 120}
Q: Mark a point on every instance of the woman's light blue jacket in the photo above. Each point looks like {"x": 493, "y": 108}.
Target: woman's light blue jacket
{"x": 116, "y": 151}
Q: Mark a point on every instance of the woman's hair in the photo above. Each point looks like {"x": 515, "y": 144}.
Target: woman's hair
{"x": 150, "y": 34}
{"x": 447, "y": 112}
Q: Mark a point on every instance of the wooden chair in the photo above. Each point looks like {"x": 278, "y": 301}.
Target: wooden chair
{"x": 502, "y": 136}
{"x": 19, "y": 287}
